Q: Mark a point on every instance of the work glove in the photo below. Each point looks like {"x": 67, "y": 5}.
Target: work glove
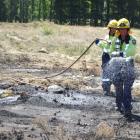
{"x": 117, "y": 33}
{"x": 97, "y": 41}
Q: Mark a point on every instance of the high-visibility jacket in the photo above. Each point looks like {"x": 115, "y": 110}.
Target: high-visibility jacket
{"x": 128, "y": 48}
{"x": 107, "y": 47}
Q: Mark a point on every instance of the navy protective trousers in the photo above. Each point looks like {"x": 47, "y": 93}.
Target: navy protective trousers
{"x": 105, "y": 58}
{"x": 123, "y": 95}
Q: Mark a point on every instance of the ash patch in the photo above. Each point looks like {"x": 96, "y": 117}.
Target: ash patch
{"x": 13, "y": 135}
{"x": 25, "y": 88}
{"x": 6, "y": 113}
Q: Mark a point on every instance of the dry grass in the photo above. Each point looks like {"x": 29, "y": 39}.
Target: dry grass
{"x": 47, "y": 45}
{"x": 69, "y": 40}
{"x": 55, "y": 130}
{"x": 65, "y": 40}
{"x": 136, "y": 90}
{"x": 103, "y": 130}
{"x": 52, "y": 131}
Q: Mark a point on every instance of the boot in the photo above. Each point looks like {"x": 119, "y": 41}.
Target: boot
{"x": 120, "y": 109}
{"x": 106, "y": 93}
{"x": 128, "y": 115}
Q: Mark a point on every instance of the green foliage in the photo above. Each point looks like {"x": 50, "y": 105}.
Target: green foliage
{"x": 73, "y": 12}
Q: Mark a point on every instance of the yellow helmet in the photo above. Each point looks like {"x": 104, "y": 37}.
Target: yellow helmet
{"x": 112, "y": 24}
{"x": 123, "y": 23}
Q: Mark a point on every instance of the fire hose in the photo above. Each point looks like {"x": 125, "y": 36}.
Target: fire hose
{"x": 75, "y": 60}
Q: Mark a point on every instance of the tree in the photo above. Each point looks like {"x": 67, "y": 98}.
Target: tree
{"x": 60, "y": 8}
{"x": 96, "y": 12}
{"x": 3, "y": 16}
{"x": 73, "y": 12}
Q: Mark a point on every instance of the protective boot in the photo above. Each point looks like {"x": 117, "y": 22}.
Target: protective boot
{"x": 128, "y": 115}
{"x": 120, "y": 109}
{"x": 127, "y": 99}
{"x": 106, "y": 93}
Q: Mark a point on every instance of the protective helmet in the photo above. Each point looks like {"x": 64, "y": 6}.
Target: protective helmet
{"x": 123, "y": 23}
{"x": 112, "y": 24}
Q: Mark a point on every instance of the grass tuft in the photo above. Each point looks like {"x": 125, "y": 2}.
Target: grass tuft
{"x": 47, "y": 30}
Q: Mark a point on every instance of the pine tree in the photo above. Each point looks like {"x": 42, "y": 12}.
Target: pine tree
{"x": 3, "y": 16}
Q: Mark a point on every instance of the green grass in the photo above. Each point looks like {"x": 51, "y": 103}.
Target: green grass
{"x": 47, "y": 30}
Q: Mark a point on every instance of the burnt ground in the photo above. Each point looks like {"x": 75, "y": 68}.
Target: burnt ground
{"x": 79, "y": 111}
{"x": 30, "y": 111}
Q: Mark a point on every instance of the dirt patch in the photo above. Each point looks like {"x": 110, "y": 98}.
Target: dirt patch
{"x": 29, "y": 53}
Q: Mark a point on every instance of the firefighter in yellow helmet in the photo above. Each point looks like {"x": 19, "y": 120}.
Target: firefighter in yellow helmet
{"x": 123, "y": 23}
{"x": 128, "y": 50}
{"x": 107, "y": 50}
{"x": 127, "y": 41}
{"x": 112, "y": 26}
